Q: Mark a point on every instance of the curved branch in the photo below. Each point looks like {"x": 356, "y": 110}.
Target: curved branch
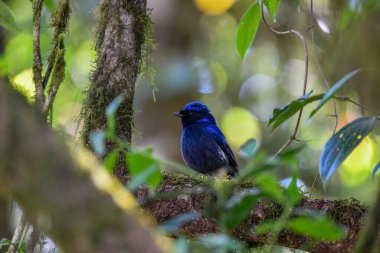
{"x": 302, "y": 39}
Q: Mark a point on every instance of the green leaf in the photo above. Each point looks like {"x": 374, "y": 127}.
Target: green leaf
{"x": 247, "y": 29}
{"x": 240, "y": 210}
{"x": 248, "y": 149}
{"x": 322, "y": 228}
{"x": 269, "y": 186}
{"x": 333, "y": 90}
{"x": 50, "y": 5}
{"x": 341, "y": 144}
{"x": 110, "y": 160}
{"x": 266, "y": 226}
{"x": 220, "y": 241}
{"x": 272, "y": 6}
{"x": 144, "y": 168}
{"x": 111, "y": 112}
{"x": 283, "y": 113}
{"x": 294, "y": 195}
{"x": 7, "y": 19}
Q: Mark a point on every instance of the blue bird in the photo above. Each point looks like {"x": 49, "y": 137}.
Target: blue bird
{"x": 203, "y": 146}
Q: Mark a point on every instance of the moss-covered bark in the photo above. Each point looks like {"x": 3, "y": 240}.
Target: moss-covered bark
{"x": 350, "y": 213}
{"x": 120, "y": 38}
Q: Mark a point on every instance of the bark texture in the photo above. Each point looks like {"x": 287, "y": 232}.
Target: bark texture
{"x": 120, "y": 37}
{"x": 37, "y": 171}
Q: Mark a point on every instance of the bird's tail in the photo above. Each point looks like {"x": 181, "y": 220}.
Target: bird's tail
{"x": 232, "y": 170}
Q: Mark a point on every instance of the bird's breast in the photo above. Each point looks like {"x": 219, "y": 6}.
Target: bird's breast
{"x": 200, "y": 149}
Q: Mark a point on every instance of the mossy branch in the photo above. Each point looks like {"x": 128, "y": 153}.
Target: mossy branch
{"x": 56, "y": 62}
{"x": 350, "y": 213}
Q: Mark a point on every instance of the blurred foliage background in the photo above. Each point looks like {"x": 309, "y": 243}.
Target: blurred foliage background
{"x": 196, "y": 59}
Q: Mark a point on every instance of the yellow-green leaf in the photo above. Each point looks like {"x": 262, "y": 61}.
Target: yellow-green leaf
{"x": 247, "y": 29}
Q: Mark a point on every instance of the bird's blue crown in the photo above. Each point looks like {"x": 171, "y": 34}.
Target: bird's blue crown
{"x": 196, "y": 106}
{"x": 195, "y": 113}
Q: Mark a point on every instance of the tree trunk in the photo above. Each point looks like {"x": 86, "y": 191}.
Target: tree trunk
{"x": 120, "y": 37}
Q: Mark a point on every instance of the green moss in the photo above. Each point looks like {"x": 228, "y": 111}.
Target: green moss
{"x": 347, "y": 211}
{"x": 181, "y": 180}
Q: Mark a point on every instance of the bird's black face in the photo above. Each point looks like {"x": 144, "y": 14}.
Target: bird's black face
{"x": 195, "y": 112}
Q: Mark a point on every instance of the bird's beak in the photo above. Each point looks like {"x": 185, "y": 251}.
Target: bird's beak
{"x": 178, "y": 114}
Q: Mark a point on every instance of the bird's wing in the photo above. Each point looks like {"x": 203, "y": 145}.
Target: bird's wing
{"x": 233, "y": 167}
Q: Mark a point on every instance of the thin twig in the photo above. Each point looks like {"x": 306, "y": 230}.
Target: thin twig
{"x": 50, "y": 66}
{"x": 335, "y": 115}
{"x": 347, "y": 99}
{"x": 23, "y": 237}
{"x": 60, "y": 21}
{"x": 313, "y": 184}
{"x": 300, "y": 36}
{"x": 58, "y": 76}
{"x": 17, "y": 235}
{"x": 37, "y": 61}
{"x": 56, "y": 65}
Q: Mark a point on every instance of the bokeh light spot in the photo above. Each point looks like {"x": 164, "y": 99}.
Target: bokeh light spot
{"x": 239, "y": 125}
{"x": 214, "y": 7}
{"x": 356, "y": 169}
{"x": 23, "y": 82}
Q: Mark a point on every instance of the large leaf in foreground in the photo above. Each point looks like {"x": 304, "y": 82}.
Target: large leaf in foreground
{"x": 283, "y": 113}
{"x": 341, "y": 144}
{"x": 144, "y": 168}
{"x": 247, "y": 29}
{"x": 238, "y": 212}
{"x": 322, "y": 228}
{"x": 220, "y": 242}
{"x": 333, "y": 90}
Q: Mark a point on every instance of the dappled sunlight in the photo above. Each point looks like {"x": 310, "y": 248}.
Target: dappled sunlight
{"x": 357, "y": 168}
{"x": 23, "y": 82}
